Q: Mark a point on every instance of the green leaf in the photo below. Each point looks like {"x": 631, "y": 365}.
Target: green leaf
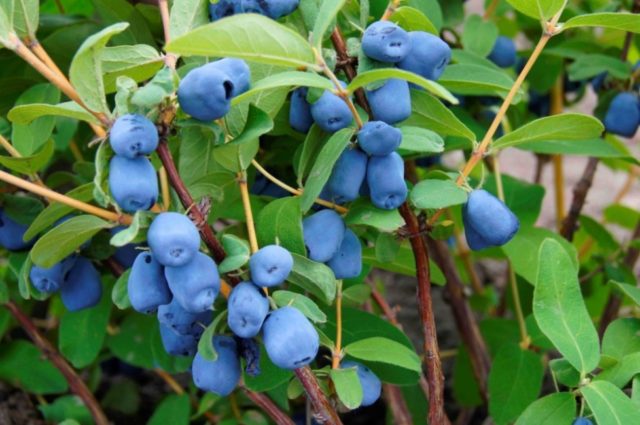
{"x": 609, "y": 404}
{"x": 523, "y": 198}
{"x": 238, "y": 253}
{"x": 526, "y": 7}
{"x": 369, "y": 77}
{"x": 564, "y": 373}
{"x": 133, "y": 341}
{"x": 622, "y": 337}
{"x": 358, "y": 325}
{"x": 86, "y": 72}
{"x": 285, "y": 79}
{"x": 4, "y": 292}
{"x": 24, "y": 114}
{"x": 559, "y": 308}
{"x": 326, "y": 16}
{"x": 412, "y": 19}
{"x": 280, "y": 222}
{"x": 363, "y": 212}
{"x": 621, "y": 373}
{"x": 384, "y": 350}
{"x": 30, "y": 164}
{"x": 549, "y": 8}
{"x": 21, "y": 209}
{"x": 515, "y": 381}
{"x": 348, "y": 386}
{"x": 590, "y": 65}
{"x": 120, "y": 293}
{"x": 437, "y": 194}
{"x": 553, "y": 409}
{"x": 24, "y": 16}
{"x": 6, "y": 29}
{"x": 187, "y": 15}
{"x": 313, "y": 277}
{"x": 618, "y": 21}
{"x": 139, "y": 62}
{"x": 23, "y": 365}
{"x": 530, "y": 239}
{"x": 56, "y": 210}
{"x": 594, "y": 147}
{"x": 174, "y": 409}
{"x": 67, "y": 410}
{"x": 64, "y": 239}
{"x": 479, "y": 35}
{"x": 429, "y": 112}
{"x": 237, "y": 155}
{"x": 416, "y": 139}
{"x": 605, "y": 241}
{"x": 136, "y": 231}
{"x": 82, "y": 332}
{"x": 468, "y": 79}
{"x": 323, "y": 165}
{"x": 247, "y": 36}
{"x": 629, "y": 290}
{"x": 28, "y": 139}
{"x": 558, "y": 127}
{"x": 302, "y": 303}
{"x": 205, "y": 345}
{"x": 313, "y": 143}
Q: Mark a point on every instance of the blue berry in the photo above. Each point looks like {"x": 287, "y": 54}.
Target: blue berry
{"x": 347, "y": 176}
{"x": 173, "y": 239}
{"x": 488, "y": 221}
{"x": 270, "y": 266}
{"x": 504, "y": 52}
{"x": 429, "y": 55}
{"x": 323, "y": 233}
{"x": 81, "y": 287}
{"x": 371, "y": 384}
{"x": 248, "y": 307}
{"x": 205, "y": 93}
{"x": 290, "y": 339}
{"x": 347, "y": 262}
{"x": 181, "y": 321}
{"x": 133, "y": 135}
{"x": 300, "y": 117}
{"x": 385, "y": 178}
{"x": 391, "y": 102}
{"x": 147, "y": 286}
{"x": 196, "y": 284}
{"x": 133, "y": 183}
{"x": 385, "y": 41}
{"x": 623, "y": 115}
{"x": 177, "y": 344}
{"x": 331, "y": 112}
{"x": 222, "y": 375}
{"x": 379, "y": 138}
{"x": 11, "y": 233}
{"x": 49, "y": 280}
{"x": 237, "y": 70}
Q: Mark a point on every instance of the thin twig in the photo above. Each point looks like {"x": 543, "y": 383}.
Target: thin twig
{"x": 58, "y": 197}
{"x": 397, "y": 404}
{"x": 615, "y": 301}
{"x": 435, "y": 377}
{"x": 337, "y": 351}
{"x": 341, "y": 51}
{"x": 557, "y": 106}
{"x": 248, "y": 213}
{"x": 580, "y": 191}
{"x": 324, "y": 411}
{"x": 294, "y": 191}
{"x": 391, "y": 8}
{"x": 76, "y": 384}
{"x": 463, "y": 315}
{"x": 269, "y": 407}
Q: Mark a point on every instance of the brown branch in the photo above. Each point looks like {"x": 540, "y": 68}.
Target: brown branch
{"x": 464, "y": 318}
{"x": 324, "y": 411}
{"x": 580, "y": 191}
{"x": 347, "y": 64}
{"x": 397, "y": 404}
{"x": 187, "y": 201}
{"x": 435, "y": 378}
{"x": 76, "y": 384}
{"x": 268, "y": 406}
{"x": 615, "y": 301}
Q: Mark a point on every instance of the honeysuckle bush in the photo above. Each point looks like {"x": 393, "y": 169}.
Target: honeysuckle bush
{"x": 558, "y": 343}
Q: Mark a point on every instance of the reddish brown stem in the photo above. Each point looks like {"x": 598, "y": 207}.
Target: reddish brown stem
{"x": 570, "y": 224}
{"x": 341, "y": 50}
{"x": 269, "y": 407}
{"x": 324, "y": 411}
{"x": 465, "y": 320}
{"x": 187, "y": 202}
{"x": 435, "y": 378}
{"x": 615, "y": 302}
{"x": 397, "y": 404}
{"x": 76, "y": 384}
